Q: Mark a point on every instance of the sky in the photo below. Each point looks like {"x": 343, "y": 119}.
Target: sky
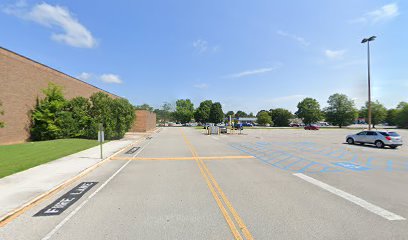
{"x": 248, "y": 55}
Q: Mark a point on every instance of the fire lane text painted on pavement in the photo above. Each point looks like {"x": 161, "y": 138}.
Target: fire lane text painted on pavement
{"x": 66, "y": 200}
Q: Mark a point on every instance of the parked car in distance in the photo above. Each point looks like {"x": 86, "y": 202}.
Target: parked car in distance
{"x": 237, "y": 126}
{"x": 323, "y": 124}
{"x": 312, "y": 127}
{"x": 378, "y": 138}
{"x": 207, "y": 125}
{"x": 223, "y": 129}
{"x": 294, "y": 125}
{"x": 247, "y": 125}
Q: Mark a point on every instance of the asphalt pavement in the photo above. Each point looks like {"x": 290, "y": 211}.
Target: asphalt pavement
{"x": 264, "y": 184}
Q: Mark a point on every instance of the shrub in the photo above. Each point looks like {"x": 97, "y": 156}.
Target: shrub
{"x": 49, "y": 117}
{"x": 54, "y": 117}
{"x": 116, "y": 116}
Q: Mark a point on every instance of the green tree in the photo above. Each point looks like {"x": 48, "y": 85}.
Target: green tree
{"x": 401, "y": 105}
{"x": 164, "y": 113}
{"x": 101, "y": 112}
{"x": 144, "y": 106}
{"x": 123, "y": 115}
{"x": 341, "y": 110}
{"x": 216, "y": 113}
{"x": 391, "y": 118}
{"x": 402, "y": 115}
{"x": 184, "y": 110}
{"x": 49, "y": 119}
{"x": 116, "y": 115}
{"x": 280, "y": 117}
{"x": 230, "y": 113}
{"x": 309, "y": 110}
{"x": 1, "y": 113}
{"x": 202, "y": 113}
{"x": 79, "y": 107}
{"x": 378, "y": 112}
{"x": 240, "y": 114}
{"x": 167, "y": 108}
{"x": 257, "y": 115}
{"x": 54, "y": 117}
{"x": 263, "y": 118}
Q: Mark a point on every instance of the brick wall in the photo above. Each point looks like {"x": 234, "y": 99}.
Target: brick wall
{"x": 145, "y": 121}
{"x": 21, "y": 83}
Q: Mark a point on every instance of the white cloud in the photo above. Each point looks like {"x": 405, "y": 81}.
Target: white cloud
{"x": 294, "y": 37}
{"x": 202, "y": 46}
{"x": 110, "y": 78}
{"x": 70, "y": 30}
{"x": 254, "y": 72}
{"x": 201, "y": 86}
{"x": 383, "y": 14}
{"x": 84, "y": 76}
{"x": 334, "y": 54}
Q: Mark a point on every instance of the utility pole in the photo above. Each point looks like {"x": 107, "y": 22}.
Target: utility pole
{"x": 368, "y": 40}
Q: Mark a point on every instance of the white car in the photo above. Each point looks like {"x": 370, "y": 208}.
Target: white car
{"x": 378, "y": 138}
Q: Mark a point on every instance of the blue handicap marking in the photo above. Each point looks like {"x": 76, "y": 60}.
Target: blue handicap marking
{"x": 351, "y": 166}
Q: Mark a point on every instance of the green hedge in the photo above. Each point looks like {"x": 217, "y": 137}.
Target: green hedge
{"x": 54, "y": 117}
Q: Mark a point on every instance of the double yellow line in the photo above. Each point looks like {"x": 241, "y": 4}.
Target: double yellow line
{"x": 220, "y": 197}
{"x": 181, "y": 158}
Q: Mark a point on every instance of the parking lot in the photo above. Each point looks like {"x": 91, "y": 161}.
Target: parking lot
{"x": 263, "y": 184}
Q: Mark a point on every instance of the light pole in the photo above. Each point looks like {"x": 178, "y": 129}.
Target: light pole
{"x": 368, "y": 40}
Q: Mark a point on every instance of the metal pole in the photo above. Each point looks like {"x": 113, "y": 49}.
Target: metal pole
{"x": 100, "y": 137}
{"x": 369, "y": 86}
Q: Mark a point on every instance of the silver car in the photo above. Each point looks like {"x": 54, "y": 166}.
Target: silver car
{"x": 378, "y": 138}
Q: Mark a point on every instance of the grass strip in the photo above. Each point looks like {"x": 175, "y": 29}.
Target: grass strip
{"x": 20, "y": 157}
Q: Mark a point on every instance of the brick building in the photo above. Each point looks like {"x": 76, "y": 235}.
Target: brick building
{"x": 145, "y": 121}
{"x": 21, "y": 83}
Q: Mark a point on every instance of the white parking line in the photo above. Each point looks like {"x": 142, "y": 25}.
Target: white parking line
{"x": 356, "y": 200}
{"x": 67, "y": 218}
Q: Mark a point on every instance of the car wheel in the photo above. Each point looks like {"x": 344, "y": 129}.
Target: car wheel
{"x": 379, "y": 144}
{"x": 350, "y": 141}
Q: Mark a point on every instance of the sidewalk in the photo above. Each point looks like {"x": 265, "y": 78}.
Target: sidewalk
{"x": 18, "y": 189}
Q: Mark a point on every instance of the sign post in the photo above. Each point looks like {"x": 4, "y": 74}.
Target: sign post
{"x": 101, "y": 137}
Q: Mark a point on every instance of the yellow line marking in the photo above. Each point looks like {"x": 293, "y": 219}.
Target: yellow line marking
{"x": 9, "y": 217}
{"x": 230, "y": 223}
{"x": 224, "y": 212}
{"x": 207, "y": 175}
{"x": 181, "y": 158}
{"x": 239, "y": 220}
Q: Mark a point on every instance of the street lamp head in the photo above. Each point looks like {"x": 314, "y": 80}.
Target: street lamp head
{"x": 372, "y": 38}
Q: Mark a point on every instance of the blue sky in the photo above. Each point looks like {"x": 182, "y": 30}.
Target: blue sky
{"x": 249, "y": 55}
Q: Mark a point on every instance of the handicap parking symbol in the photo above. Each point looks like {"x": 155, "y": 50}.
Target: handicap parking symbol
{"x": 351, "y": 166}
